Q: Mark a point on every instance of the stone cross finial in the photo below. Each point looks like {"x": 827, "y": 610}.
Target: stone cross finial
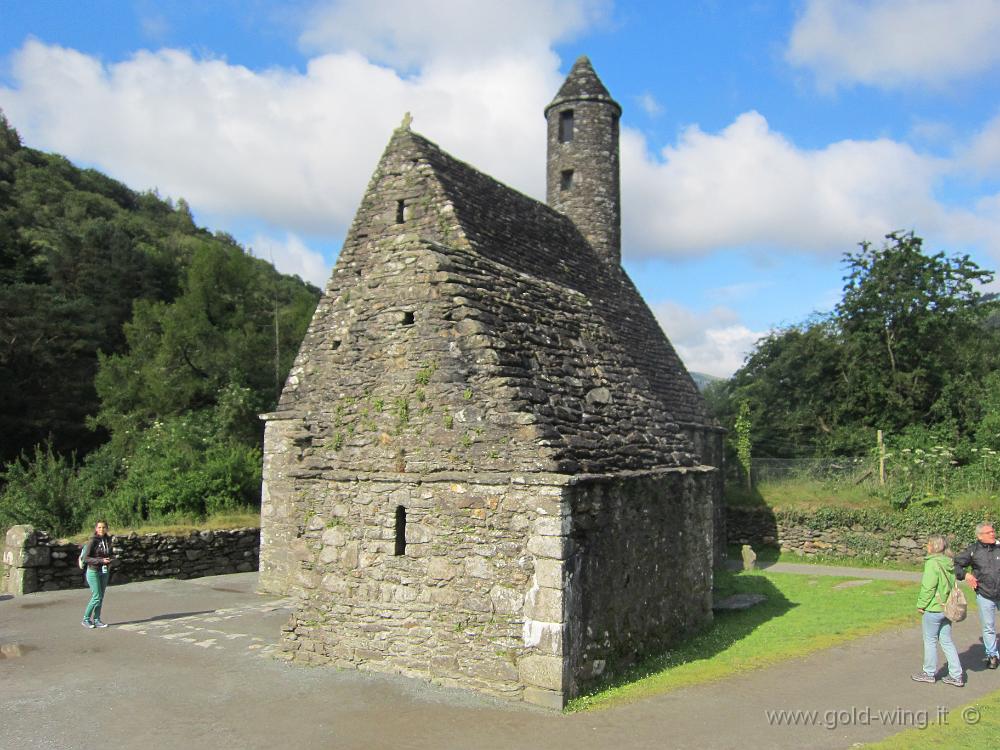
{"x": 407, "y": 119}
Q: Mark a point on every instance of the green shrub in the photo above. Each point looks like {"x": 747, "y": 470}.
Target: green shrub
{"x": 866, "y": 546}
{"x": 42, "y": 490}
{"x": 180, "y": 469}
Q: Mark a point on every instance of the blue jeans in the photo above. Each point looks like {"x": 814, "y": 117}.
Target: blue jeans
{"x": 97, "y": 581}
{"x": 936, "y": 628}
{"x": 987, "y": 618}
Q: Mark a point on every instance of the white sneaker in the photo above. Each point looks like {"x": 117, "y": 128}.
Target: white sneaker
{"x": 99, "y": 624}
{"x": 87, "y": 623}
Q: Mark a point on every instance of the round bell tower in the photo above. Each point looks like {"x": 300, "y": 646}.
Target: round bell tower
{"x": 582, "y": 176}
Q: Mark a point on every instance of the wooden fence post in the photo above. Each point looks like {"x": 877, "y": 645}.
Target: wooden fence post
{"x": 881, "y": 459}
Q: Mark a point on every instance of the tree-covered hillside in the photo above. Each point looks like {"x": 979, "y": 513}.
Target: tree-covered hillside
{"x": 136, "y": 349}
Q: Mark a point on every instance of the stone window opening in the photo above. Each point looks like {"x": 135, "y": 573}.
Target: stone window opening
{"x": 335, "y": 345}
{"x": 400, "y": 531}
{"x": 566, "y": 179}
{"x": 566, "y": 126}
{"x": 401, "y": 212}
{"x": 407, "y": 317}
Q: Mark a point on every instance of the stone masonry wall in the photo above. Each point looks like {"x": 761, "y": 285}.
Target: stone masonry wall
{"x": 640, "y": 575}
{"x": 707, "y": 441}
{"x": 33, "y": 561}
{"x": 762, "y": 529}
{"x": 521, "y": 586}
{"x": 482, "y": 560}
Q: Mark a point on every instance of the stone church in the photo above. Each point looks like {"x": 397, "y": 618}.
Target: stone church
{"x": 488, "y": 467}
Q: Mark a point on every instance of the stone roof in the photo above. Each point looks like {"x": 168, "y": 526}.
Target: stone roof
{"x": 490, "y": 309}
{"x": 582, "y": 83}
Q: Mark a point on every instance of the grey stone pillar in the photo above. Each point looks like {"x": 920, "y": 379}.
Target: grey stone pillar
{"x": 22, "y": 556}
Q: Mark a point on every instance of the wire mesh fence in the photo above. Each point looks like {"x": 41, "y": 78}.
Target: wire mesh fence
{"x": 840, "y": 469}
{"x": 906, "y": 475}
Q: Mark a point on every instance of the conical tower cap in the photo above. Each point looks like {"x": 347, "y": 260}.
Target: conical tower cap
{"x": 582, "y": 84}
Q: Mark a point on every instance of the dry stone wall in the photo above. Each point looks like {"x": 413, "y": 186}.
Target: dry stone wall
{"x": 34, "y": 561}
{"x": 760, "y": 528}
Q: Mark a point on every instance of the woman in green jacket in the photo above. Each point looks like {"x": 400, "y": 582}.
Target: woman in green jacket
{"x": 936, "y": 584}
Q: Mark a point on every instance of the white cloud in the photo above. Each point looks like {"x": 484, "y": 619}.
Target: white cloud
{"x": 154, "y": 26}
{"x": 647, "y": 102}
{"x": 893, "y": 43}
{"x": 714, "y": 342}
{"x": 408, "y": 34}
{"x": 750, "y": 186}
{"x": 932, "y": 131}
{"x": 983, "y": 153}
{"x": 292, "y": 149}
{"x": 292, "y": 256}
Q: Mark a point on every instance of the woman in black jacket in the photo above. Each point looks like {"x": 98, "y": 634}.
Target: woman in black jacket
{"x": 97, "y": 554}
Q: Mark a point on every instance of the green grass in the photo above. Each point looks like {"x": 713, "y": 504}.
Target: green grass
{"x": 179, "y": 527}
{"x": 975, "y": 724}
{"x": 810, "y": 494}
{"x": 804, "y": 494}
{"x": 802, "y": 614}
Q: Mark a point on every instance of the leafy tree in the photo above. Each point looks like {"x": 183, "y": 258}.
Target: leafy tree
{"x": 905, "y": 319}
{"x": 744, "y": 442}
{"x": 988, "y": 430}
{"x": 80, "y": 255}
{"x": 911, "y": 344}
{"x": 217, "y": 335}
{"x": 185, "y": 467}
{"x": 792, "y": 380}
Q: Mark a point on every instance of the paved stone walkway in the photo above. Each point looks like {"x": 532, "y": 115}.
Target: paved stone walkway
{"x": 831, "y": 570}
{"x": 185, "y": 665}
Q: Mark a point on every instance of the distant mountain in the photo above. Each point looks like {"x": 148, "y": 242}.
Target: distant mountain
{"x": 702, "y": 379}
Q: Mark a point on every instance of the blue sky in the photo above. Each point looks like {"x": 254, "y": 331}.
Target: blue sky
{"x": 760, "y": 139}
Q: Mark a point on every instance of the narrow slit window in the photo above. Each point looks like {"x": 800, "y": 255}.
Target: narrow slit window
{"x": 400, "y": 212}
{"x": 566, "y": 179}
{"x": 566, "y": 126}
{"x": 400, "y": 530}
{"x": 408, "y": 318}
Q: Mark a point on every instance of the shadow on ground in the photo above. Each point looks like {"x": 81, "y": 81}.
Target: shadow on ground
{"x": 167, "y": 616}
{"x": 728, "y": 626}
{"x": 972, "y": 659}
